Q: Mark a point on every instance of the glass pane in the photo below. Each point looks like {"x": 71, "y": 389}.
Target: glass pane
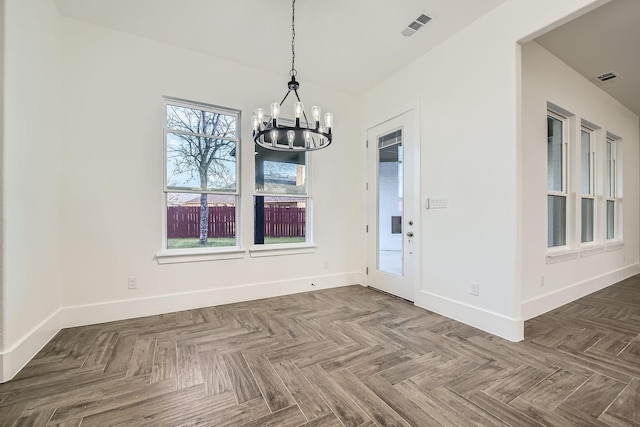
{"x": 554, "y": 154}
{"x": 586, "y": 162}
{"x": 201, "y": 122}
{"x": 390, "y": 205}
{"x": 609, "y": 169}
{"x": 587, "y": 220}
{"x": 200, "y": 220}
{"x": 280, "y": 172}
{"x": 200, "y": 163}
{"x": 280, "y": 219}
{"x": 556, "y": 221}
{"x": 611, "y": 211}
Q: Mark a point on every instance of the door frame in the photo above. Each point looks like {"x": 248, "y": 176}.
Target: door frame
{"x": 411, "y": 156}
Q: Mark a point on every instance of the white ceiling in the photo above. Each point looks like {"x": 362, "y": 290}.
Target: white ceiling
{"x": 345, "y": 45}
{"x": 606, "y": 39}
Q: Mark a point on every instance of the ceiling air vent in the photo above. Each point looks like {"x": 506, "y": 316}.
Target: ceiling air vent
{"x": 607, "y": 77}
{"x": 415, "y": 25}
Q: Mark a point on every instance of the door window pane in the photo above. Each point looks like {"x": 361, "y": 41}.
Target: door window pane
{"x": 587, "y": 220}
{"x": 554, "y": 154}
{"x": 390, "y": 203}
{"x": 557, "y": 223}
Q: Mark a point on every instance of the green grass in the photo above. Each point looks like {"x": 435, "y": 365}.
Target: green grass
{"x": 276, "y": 240}
{"x": 194, "y": 243}
{"x": 226, "y": 241}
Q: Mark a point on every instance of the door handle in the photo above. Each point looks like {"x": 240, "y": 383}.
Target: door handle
{"x": 410, "y": 233}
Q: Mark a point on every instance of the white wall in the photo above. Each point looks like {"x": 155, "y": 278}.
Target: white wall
{"x": 31, "y": 232}
{"x": 112, "y": 179}
{"x": 547, "y": 79}
{"x": 468, "y": 91}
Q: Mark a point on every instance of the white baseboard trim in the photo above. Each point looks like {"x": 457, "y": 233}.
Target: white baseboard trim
{"x": 149, "y": 306}
{"x": 16, "y": 357}
{"x": 489, "y": 321}
{"x": 544, "y": 303}
{"x": 20, "y": 353}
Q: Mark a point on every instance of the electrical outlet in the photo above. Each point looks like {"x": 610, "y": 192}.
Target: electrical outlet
{"x": 542, "y": 281}
{"x": 132, "y": 282}
{"x": 326, "y": 265}
{"x": 474, "y": 288}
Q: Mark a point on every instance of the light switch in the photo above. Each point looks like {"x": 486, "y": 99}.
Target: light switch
{"x": 436, "y": 203}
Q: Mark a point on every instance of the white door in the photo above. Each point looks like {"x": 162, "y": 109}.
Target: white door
{"x": 393, "y": 206}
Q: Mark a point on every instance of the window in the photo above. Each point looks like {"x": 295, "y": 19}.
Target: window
{"x": 612, "y": 190}
{"x": 587, "y": 209}
{"x": 201, "y": 175}
{"x": 281, "y": 202}
{"x": 556, "y": 181}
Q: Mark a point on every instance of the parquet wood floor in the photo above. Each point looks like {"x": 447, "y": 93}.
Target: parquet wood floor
{"x": 341, "y": 357}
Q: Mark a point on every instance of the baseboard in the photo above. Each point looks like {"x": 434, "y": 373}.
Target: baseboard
{"x": 495, "y": 323}
{"x": 539, "y": 305}
{"x": 19, "y": 354}
{"x": 140, "y": 307}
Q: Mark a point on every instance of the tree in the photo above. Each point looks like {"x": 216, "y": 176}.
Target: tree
{"x": 201, "y": 148}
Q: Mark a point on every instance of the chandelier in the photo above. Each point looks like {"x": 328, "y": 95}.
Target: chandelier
{"x": 272, "y": 134}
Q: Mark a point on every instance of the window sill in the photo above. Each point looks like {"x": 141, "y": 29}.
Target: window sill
{"x": 591, "y": 250}
{"x": 284, "y": 249}
{"x": 614, "y": 245}
{"x": 172, "y": 256}
{"x": 562, "y": 255}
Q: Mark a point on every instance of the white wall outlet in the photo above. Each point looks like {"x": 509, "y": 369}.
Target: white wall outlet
{"x": 132, "y": 282}
{"x": 542, "y": 281}
{"x": 326, "y": 265}
{"x": 474, "y": 288}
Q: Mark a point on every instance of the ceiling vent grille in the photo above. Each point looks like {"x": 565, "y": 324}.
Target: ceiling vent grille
{"x": 607, "y": 77}
{"x": 419, "y": 22}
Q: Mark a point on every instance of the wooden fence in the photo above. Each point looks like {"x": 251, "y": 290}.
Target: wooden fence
{"x": 184, "y": 221}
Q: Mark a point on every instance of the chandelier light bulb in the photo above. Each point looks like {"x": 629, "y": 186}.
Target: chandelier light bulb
{"x": 275, "y": 111}
{"x": 274, "y": 137}
{"x": 328, "y": 121}
{"x": 291, "y": 136}
{"x": 298, "y": 108}
{"x": 315, "y": 113}
{"x": 255, "y": 123}
{"x": 307, "y": 138}
{"x": 322, "y": 129}
{"x": 260, "y": 115}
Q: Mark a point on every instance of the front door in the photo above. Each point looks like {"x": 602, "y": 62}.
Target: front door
{"x": 393, "y": 206}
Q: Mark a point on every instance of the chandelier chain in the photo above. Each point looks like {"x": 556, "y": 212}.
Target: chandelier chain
{"x": 293, "y": 71}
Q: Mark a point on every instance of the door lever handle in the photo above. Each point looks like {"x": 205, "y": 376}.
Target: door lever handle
{"x": 410, "y": 233}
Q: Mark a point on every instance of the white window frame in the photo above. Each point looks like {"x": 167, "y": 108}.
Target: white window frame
{"x": 592, "y": 185}
{"x": 268, "y": 249}
{"x": 565, "y": 183}
{"x": 166, "y": 255}
{"x": 615, "y": 195}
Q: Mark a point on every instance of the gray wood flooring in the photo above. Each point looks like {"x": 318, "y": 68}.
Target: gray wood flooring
{"x": 341, "y": 357}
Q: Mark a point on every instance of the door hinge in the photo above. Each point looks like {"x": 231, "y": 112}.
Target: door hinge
{"x": 367, "y": 228}
{"x": 367, "y": 270}
{"x": 367, "y": 184}
{"x": 367, "y": 143}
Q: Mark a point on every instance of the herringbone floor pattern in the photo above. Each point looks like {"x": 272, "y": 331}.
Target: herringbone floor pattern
{"x": 348, "y": 356}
